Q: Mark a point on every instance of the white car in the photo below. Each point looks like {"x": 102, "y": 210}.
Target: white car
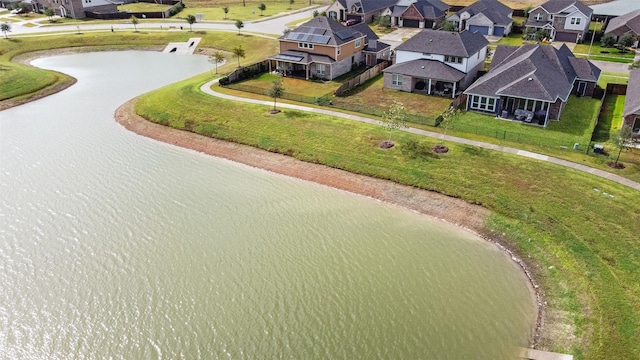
{"x": 16, "y": 11}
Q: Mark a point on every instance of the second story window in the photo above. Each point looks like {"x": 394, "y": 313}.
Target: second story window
{"x": 538, "y": 17}
{"x": 453, "y": 59}
{"x": 575, "y": 21}
{"x": 305, "y": 45}
{"x": 339, "y": 48}
{"x": 358, "y": 42}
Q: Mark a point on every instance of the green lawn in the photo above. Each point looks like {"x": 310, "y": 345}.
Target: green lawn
{"x": 239, "y": 12}
{"x": 295, "y": 86}
{"x": 607, "y": 77}
{"x": 601, "y": 53}
{"x": 610, "y": 119}
{"x": 584, "y": 243}
{"x": 575, "y": 125}
{"x": 143, "y": 7}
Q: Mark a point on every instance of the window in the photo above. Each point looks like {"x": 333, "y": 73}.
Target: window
{"x": 339, "y": 48}
{"x": 305, "y": 45}
{"x": 538, "y": 17}
{"x": 358, "y": 42}
{"x": 636, "y": 125}
{"x": 575, "y": 21}
{"x": 483, "y": 103}
{"x": 453, "y": 59}
{"x": 320, "y": 69}
{"x": 397, "y": 79}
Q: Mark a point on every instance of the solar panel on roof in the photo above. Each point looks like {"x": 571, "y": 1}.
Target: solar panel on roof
{"x": 344, "y": 34}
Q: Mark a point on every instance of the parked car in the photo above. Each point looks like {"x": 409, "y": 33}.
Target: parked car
{"x": 350, "y": 22}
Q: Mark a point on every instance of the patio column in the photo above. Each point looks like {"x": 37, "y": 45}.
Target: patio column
{"x": 269, "y": 66}
{"x": 306, "y": 72}
{"x": 453, "y": 92}
{"x": 429, "y": 88}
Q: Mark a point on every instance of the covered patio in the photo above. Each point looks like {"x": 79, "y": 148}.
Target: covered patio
{"x": 302, "y": 65}
{"x": 425, "y": 76}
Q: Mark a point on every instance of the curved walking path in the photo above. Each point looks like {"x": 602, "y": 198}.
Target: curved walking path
{"x": 206, "y": 88}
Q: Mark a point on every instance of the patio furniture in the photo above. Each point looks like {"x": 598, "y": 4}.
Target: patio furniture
{"x": 523, "y": 115}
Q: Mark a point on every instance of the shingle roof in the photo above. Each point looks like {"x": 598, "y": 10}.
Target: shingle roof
{"x": 492, "y": 9}
{"x": 462, "y": 44}
{"x": 375, "y": 5}
{"x": 631, "y": 20}
{"x": 426, "y": 69}
{"x": 555, "y": 6}
{"x": 431, "y": 9}
{"x": 535, "y": 72}
{"x": 632, "y": 102}
{"x": 325, "y": 31}
{"x": 615, "y": 8}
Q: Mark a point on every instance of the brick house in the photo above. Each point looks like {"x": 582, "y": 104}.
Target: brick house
{"x": 531, "y": 83}
{"x": 489, "y": 17}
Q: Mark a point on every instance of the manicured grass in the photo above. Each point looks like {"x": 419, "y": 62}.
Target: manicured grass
{"x": 601, "y": 53}
{"x": 372, "y": 95}
{"x": 294, "y": 86}
{"x": 239, "y": 12}
{"x": 29, "y": 24}
{"x": 585, "y": 243}
{"x": 10, "y": 19}
{"x": 610, "y": 119}
{"x": 607, "y": 77}
{"x": 513, "y": 40}
{"x": 18, "y": 81}
{"x": 575, "y": 125}
{"x": 142, "y": 7}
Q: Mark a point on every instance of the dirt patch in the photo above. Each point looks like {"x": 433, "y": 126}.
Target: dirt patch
{"x": 439, "y": 149}
{"x": 615, "y": 165}
{"x": 387, "y": 144}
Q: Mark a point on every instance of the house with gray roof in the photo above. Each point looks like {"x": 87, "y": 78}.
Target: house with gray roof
{"x": 422, "y": 14}
{"x": 631, "y": 112}
{"x": 489, "y": 17}
{"x": 615, "y": 8}
{"x": 437, "y": 62}
{"x": 531, "y": 83}
{"x": 563, "y": 20}
{"x": 324, "y": 48}
{"x": 359, "y": 10}
{"x": 626, "y": 24}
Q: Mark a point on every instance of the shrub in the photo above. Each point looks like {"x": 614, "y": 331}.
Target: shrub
{"x": 608, "y": 40}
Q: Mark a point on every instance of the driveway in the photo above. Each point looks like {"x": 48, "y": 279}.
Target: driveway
{"x": 398, "y": 36}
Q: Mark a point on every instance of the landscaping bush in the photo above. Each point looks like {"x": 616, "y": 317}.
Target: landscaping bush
{"x": 608, "y": 40}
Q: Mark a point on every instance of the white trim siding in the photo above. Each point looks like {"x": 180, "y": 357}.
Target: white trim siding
{"x": 483, "y": 103}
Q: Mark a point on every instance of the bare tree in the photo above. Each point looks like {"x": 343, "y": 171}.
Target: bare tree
{"x": 393, "y": 119}
{"x": 449, "y": 118}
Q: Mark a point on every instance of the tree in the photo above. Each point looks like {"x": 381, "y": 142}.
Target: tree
{"x": 449, "y": 119}
{"x": 316, "y": 13}
{"x": 392, "y": 119}
{"x": 383, "y": 21}
{"x": 635, "y": 65}
{"x": 448, "y": 26}
{"x": 239, "y": 25}
{"x": 262, "y": 7}
{"x": 226, "y": 11}
{"x": 291, "y": 3}
{"x": 5, "y": 27}
{"x": 50, "y": 13}
{"x": 216, "y": 58}
{"x": 623, "y": 140}
{"x": 275, "y": 91}
{"x": 238, "y": 52}
{"x": 191, "y": 20}
{"x": 134, "y": 21}
{"x": 243, "y": 3}
{"x": 626, "y": 40}
{"x": 607, "y": 40}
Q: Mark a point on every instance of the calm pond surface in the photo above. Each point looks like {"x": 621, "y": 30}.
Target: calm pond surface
{"x": 113, "y": 245}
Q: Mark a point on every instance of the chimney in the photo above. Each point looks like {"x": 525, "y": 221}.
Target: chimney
{"x": 372, "y": 44}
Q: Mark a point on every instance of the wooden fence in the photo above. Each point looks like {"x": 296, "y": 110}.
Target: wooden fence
{"x": 617, "y": 89}
{"x": 360, "y": 79}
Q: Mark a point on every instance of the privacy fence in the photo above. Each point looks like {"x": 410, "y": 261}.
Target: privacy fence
{"x": 362, "y": 78}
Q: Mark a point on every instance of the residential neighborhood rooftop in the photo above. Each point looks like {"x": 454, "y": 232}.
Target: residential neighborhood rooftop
{"x": 632, "y": 103}
{"x": 492, "y": 9}
{"x": 462, "y": 44}
{"x": 631, "y": 20}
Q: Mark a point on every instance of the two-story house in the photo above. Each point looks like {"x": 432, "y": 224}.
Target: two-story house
{"x": 631, "y": 112}
{"x": 564, "y": 20}
{"x": 76, "y": 8}
{"x": 628, "y": 23}
{"x": 324, "y": 48}
{"x": 437, "y": 62}
{"x": 531, "y": 83}
{"x": 489, "y": 17}
{"x": 423, "y": 14}
{"x": 359, "y": 10}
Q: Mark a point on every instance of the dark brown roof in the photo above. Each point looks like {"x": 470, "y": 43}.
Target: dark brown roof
{"x": 632, "y": 101}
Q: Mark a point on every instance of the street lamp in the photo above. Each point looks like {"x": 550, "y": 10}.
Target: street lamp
{"x": 593, "y": 35}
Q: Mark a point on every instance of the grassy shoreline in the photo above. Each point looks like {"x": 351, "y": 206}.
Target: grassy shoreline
{"x": 585, "y": 257}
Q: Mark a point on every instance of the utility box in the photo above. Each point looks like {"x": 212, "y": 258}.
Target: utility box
{"x": 576, "y": 146}
{"x": 598, "y": 149}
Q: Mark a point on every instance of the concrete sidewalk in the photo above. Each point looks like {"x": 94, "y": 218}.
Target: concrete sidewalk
{"x": 206, "y": 88}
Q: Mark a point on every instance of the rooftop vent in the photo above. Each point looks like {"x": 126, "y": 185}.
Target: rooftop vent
{"x": 529, "y": 79}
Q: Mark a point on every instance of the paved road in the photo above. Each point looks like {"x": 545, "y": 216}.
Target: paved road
{"x": 273, "y": 25}
{"x": 206, "y": 88}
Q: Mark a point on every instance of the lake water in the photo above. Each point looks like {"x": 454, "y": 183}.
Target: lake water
{"x": 114, "y": 245}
